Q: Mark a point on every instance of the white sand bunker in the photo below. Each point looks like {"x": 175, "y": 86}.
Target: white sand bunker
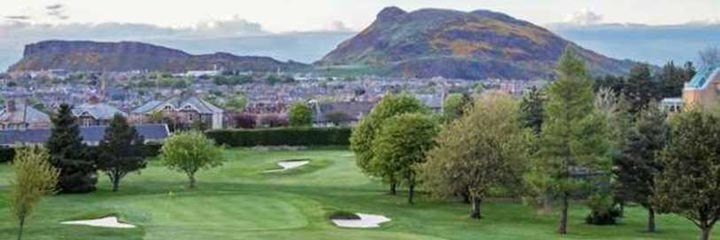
{"x": 108, "y": 222}
{"x": 289, "y": 164}
{"x": 365, "y": 221}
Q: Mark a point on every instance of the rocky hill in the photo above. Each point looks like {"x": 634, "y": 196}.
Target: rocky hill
{"x": 454, "y": 44}
{"x": 128, "y": 56}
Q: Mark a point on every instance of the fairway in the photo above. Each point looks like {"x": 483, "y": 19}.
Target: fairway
{"x": 241, "y": 201}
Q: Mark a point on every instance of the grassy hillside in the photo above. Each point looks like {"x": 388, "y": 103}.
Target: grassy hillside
{"x": 239, "y": 201}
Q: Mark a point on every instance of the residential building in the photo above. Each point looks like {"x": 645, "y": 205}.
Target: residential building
{"x": 703, "y": 90}
{"x": 95, "y": 113}
{"x": 183, "y": 110}
{"x": 345, "y": 112}
{"x": 18, "y": 114}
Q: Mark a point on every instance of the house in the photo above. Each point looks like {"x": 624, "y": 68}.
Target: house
{"x": 345, "y": 112}
{"x": 671, "y": 105}
{"x": 183, "y": 110}
{"x": 703, "y": 90}
{"x": 433, "y": 101}
{"x": 19, "y": 115}
{"x": 95, "y": 113}
{"x": 91, "y": 135}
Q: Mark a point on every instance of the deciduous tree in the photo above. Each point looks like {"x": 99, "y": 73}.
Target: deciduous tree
{"x": 401, "y": 145}
{"x": 364, "y": 134}
{"x": 189, "y": 152}
{"x": 484, "y": 149}
{"x": 34, "y": 178}
{"x": 300, "y": 115}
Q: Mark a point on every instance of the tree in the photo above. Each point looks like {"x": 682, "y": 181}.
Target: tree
{"x": 615, "y": 109}
{"x": 189, "y": 152}
{"x": 245, "y": 120}
{"x": 338, "y": 117}
{"x": 68, "y": 154}
{"x": 532, "y": 111}
{"x": 236, "y": 103}
{"x": 120, "y": 151}
{"x": 640, "y": 89}
{"x": 688, "y": 185}
{"x": 401, "y": 145}
{"x": 454, "y": 105}
{"x": 364, "y": 134}
{"x": 639, "y": 163}
{"x": 34, "y": 178}
{"x": 300, "y": 115}
{"x": 573, "y": 133}
{"x": 484, "y": 149}
{"x": 672, "y": 79}
{"x": 710, "y": 56}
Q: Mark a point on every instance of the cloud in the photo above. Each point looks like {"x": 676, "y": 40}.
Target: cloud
{"x": 584, "y": 17}
{"x": 18, "y": 18}
{"x": 230, "y": 27}
{"x": 56, "y": 11}
{"x": 337, "y": 26}
{"x": 54, "y": 7}
{"x": 25, "y": 32}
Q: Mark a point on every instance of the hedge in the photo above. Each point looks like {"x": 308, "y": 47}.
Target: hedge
{"x": 152, "y": 149}
{"x": 281, "y": 136}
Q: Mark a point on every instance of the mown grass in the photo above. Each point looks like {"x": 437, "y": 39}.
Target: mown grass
{"x": 240, "y": 201}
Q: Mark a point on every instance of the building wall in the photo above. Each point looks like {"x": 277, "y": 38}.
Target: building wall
{"x": 707, "y": 97}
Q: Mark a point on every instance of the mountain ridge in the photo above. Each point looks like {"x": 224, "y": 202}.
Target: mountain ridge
{"x": 81, "y": 55}
{"x": 455, "y": 44}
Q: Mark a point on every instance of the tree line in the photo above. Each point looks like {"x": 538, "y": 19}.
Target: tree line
{"x": 604, "y": 143}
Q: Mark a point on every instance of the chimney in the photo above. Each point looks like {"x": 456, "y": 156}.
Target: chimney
{"x": 10, "y": 105}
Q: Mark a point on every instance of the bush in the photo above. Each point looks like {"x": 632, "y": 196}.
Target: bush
{"x": 244, "y": 120}
{"x": 603, "y": 211}
{"x": 281, "y": 136}
{"x": 607, "y": 217}
{"x": 274, "y": 120}
{"x": 6, "y": 154}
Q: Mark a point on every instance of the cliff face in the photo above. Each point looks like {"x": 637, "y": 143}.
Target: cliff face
{"x": 455, "y": 44}
{"x": 128, "y": 56}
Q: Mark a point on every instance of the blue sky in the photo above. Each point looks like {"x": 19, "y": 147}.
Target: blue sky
{"x": 308, "y": 15}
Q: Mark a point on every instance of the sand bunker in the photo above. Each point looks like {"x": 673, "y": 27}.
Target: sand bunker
{"x": 108, "y": 222}
{"x": 289, "y": 164}
{"x": 365, "y": 221}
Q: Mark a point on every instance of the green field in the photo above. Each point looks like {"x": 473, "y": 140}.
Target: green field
{"x": 239, "y": 201}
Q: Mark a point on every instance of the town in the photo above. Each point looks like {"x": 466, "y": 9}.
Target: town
{"x": 326, "y": 120}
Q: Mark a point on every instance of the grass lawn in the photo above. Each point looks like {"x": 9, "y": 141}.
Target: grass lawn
{"x": 239, "y": 201}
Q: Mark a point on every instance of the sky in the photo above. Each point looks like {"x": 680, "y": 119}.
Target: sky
{"x": 277, "y": 16}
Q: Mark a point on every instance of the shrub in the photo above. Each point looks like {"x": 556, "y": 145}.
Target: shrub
{"x": 244, "y": 120}
{"x": 274, "y": 120}
{"x": 281, "y": 136}
{"x": 603, "y": 211}
{"x": 6, "y": 154}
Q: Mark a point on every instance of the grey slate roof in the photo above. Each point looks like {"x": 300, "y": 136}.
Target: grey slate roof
{"x": 97, "y": 110}
{"x": 180, "y": 102}
{"x": 24, "y": 114}
{"x": 354, "y": 110}
{"x": 153, "y": 132}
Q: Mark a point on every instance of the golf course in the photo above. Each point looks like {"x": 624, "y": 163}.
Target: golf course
{"x": 243, "y": 200}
